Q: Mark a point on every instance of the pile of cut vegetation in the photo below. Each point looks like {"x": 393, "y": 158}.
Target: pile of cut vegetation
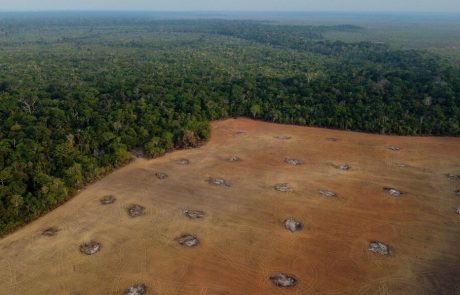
{"x": 183, "y": 161}
{"x": 107, "y": 200}
{"x": 193, "y": 214}
{"x": 234, "y": 158}
{"x": 282, "y": 137}
{"x": 379, "y": 248}
{"x": 136, "y": 210}
{"x": 343, "y": 167}
{"x": 218, "y": 181}
{"x": 292, "y": 225}
{"x": 90, "y": 248}
{"x": 188, "y": 240}
{"x": 393, "y": 148}
{"x": 50, "y": 231}
{"x": 293, "y": 162}
{"x": 283, "y": 187}
{"x": 161, "y": 175}
{"x": 284, "y": 280}
{"x": 453, "y": 177}
{"x": 327, "y": 193}
{"x": 138, "y": 289}
{"x": 392, "y": 191}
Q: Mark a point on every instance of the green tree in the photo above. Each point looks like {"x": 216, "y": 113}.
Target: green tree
{"x": 255, "y": 110}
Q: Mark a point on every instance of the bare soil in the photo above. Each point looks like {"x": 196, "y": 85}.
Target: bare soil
{"x": 242, "y": 243}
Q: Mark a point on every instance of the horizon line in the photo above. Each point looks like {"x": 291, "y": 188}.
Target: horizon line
{"x": 231, "y": 11}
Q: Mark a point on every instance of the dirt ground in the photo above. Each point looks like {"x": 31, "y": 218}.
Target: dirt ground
{"x": 242, "y": 240}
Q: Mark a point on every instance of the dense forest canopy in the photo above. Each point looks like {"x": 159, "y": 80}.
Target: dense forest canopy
{"x": 77, "y": 93}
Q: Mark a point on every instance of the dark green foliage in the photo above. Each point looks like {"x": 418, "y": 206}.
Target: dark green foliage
{"x": 77, "y": 94}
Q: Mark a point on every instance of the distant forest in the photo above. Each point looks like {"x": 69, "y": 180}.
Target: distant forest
{"x": 78, "y": 93}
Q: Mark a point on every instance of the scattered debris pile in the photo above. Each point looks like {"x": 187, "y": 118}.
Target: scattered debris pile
{"x": 218, "y": 181}
{"x": 379, "y": 248}
{"x": 193, "y": 214}
{"x": 452, "y": 176}
{"x": 90, "y": 248}
{"x": 293, "y": 162}
{"x": 188, "y": 240}
{"x": 183, "y": 161}
{"x": 234, "y": 159}
{"x": 50, "y": 231}
{"x": 392, "y": 191}
{"x": 401, "y": 165}
{"x": 343, "y": 167}
{"x": 107, "y": 200}
{"x": 393, "y": 148}
{"x": 136, "y": 210}
{"x": 327, "y": 193}
{"x": 284, "y": 280}
{"x": 138, "y": 289}
{"x": 283, "y": 137}
{"x": 331, "y": 138}
{"x": 458, "y": 210}
{"x": 283, "y": 187}
{"x": 457, "y": 192}
{"x": 292, "y": 225}
{"x": 161, "y": 175}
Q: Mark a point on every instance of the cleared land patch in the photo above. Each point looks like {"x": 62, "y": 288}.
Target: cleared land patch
{"x": 239, "y": 230}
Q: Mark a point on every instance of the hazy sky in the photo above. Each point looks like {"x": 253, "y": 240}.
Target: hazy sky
{"x": 242, "y": 5}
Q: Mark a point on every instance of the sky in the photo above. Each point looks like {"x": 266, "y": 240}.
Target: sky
{"x": 236, "y": 5}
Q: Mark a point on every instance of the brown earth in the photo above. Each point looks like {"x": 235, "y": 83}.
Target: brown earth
{"x": 242, "y": 240}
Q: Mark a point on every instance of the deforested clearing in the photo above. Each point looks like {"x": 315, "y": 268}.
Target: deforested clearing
{"x": 242, "y": 243}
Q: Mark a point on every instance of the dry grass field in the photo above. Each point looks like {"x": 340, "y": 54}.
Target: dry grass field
{"x": 242, "y": 240}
